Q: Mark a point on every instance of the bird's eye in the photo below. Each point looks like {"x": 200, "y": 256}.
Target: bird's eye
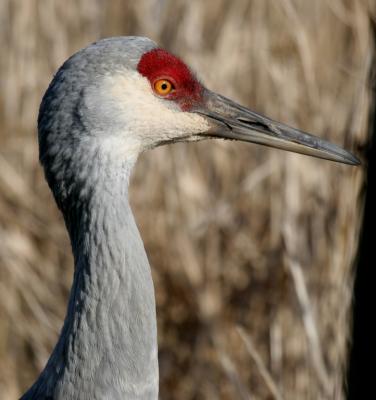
{"x": 163, "y": 87}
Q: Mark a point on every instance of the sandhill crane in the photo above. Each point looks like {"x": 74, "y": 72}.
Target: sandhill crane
{"x": 106, "y": 104}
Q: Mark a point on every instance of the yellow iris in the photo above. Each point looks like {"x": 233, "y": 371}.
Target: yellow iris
{"x": 163, "y": 87}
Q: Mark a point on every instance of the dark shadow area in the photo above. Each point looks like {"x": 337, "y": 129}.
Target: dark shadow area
{"x": 360, "y": 379}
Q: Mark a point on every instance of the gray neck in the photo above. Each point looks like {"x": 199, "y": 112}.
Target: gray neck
{"x": 108, "y": 345}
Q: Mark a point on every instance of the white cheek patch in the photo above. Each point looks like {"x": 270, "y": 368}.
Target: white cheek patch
{"x": 146, "y": 116}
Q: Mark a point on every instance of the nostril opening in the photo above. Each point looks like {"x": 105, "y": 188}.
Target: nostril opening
{"x": 254, "y": 124}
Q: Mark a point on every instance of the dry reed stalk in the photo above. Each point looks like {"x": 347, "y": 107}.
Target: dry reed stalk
{"x": 236, "y": 234}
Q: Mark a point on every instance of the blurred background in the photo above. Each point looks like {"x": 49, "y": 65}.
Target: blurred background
{"x": 252, "y": 249}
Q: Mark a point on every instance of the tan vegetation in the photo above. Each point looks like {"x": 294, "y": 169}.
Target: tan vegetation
{"x": 252, "y": 249}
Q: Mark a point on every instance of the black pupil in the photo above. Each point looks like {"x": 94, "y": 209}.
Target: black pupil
{"x": 164, "y": 86}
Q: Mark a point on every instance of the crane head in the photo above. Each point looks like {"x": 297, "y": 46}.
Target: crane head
{"x": 121, "y": 96}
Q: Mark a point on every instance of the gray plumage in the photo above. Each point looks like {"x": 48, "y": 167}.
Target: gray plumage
{"x": 108, "y": 346}
{"x": 97, "y": 115}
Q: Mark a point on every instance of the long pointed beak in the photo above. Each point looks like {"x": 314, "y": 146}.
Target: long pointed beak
{"x": 229, "y": 120}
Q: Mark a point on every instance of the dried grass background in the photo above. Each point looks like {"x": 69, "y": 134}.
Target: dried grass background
{"x": 252, "y": 249}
